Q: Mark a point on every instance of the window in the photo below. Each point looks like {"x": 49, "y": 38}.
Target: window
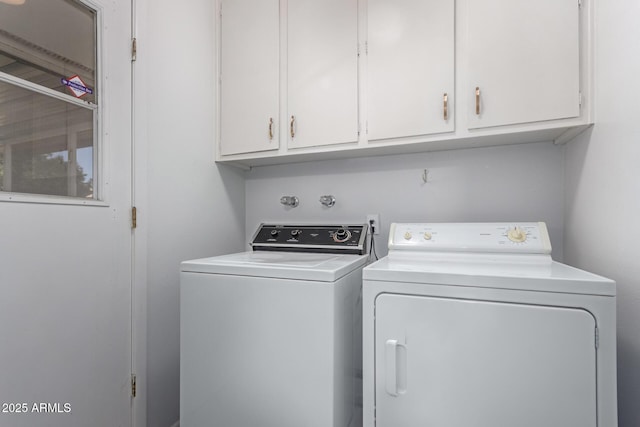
{"x": 48, "y": 98}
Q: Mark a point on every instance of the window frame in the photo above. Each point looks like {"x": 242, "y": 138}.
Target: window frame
{"x": 97, "y": 110}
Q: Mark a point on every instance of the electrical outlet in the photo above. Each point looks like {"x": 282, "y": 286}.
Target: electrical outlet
{"x": 373, "y": 220}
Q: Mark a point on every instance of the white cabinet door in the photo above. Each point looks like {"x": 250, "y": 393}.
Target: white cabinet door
{"x": 322, "y": 88}
{"x": 523, "y": 57}
{"x": 410, "y": 68}
{"x": 459, "y": 363}
{"x": 249, "y": 69}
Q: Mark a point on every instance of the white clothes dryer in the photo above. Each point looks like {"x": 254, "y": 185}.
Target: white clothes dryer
{"x": 475, "y": 325}
{"x": 272, "y": 337}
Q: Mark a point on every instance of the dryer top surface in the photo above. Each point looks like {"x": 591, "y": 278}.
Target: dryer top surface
{"x": 529, "y": 273}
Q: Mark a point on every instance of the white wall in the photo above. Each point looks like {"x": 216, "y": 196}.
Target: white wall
{"x": 511, "y": 183}
{"x": 603, "y": 188}
{"x": 192, "y": 207}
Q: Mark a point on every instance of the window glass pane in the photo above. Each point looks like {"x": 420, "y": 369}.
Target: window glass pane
{"x": 61, "y": 46}
{"x": 46, "y": 145}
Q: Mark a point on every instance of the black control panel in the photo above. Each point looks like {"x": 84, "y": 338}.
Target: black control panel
{"x": 344, "y": 239}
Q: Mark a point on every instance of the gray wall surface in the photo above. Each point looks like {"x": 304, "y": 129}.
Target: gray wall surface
{"x": 603, "y": 189}
{"x": 510, "y": 183}
{"x": 194, "y": 207}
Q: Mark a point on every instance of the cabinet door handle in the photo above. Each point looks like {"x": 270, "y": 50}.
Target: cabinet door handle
{"x": 270, "y": 128}
{"x": 293, "y": 121}
{"x": 477, "y": 101}
{"x": 445, "y": 107}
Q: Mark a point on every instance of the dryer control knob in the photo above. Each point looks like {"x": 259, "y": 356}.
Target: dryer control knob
{"x": 427, "y": 235}
{"x": 407, "y": 236}
{"x": 275, "y": 233}
{"x": 517, "y": 235}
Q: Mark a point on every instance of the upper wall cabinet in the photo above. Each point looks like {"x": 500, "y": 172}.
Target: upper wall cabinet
{"x": 249, "y": 76}
{"x": 410, "y": 68}
{"x": 322, "y": 72}
{"x": 303, "y": 80}
{"x": 523, "y": 61}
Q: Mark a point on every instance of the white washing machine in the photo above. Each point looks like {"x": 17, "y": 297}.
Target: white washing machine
{"x": 475, "y": 325}
{"x": 272, "y": 337}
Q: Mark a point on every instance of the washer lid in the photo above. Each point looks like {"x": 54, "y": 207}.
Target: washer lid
{"x": 497, "y": 271}
{"x": 285, "y": 265}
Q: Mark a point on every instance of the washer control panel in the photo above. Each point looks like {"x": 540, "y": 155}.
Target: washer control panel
{"x": 349, "y": 239}
{"x": 523, "y": 237}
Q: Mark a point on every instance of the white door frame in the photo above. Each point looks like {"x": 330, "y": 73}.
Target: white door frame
{"x": 139, "y": 238}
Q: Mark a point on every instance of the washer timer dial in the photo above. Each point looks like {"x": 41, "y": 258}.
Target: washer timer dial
{"x": 342, "y": 235}
{"x": 517, "y": 235}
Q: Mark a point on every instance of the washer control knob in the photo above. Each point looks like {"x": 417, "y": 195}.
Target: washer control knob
{"x": 296, "y": 233}
{"x": 274, "y": 233}
{"x": 342, "y": 235}
{"x": 427, "y": 235}
{"x": 407, "y": 236}
{"x": 516, "y": 234}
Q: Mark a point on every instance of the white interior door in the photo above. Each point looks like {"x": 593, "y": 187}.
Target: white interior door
{"x": 65, "y": 263}
{"x": 458, "y": 363}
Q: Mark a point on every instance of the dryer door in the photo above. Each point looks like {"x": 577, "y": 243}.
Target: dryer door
{"x": 459, "y": 363}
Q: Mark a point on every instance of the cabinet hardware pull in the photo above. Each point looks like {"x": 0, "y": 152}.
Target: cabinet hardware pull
{"x": 445, "y": 107}
{"x": 477, "y": 101}
{"x": 293, "y": 120}
{"x": 270, "y": 128}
